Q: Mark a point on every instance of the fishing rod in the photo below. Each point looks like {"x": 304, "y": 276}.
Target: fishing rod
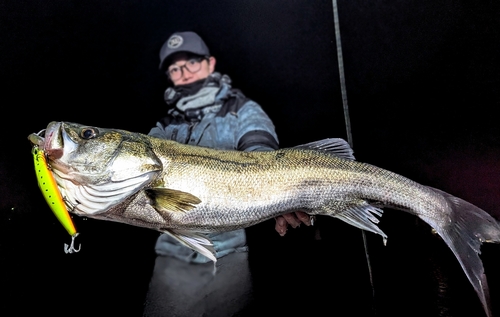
{"x": 348, "y": 122}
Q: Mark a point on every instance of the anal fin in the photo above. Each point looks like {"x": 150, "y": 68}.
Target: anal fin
{"x": 362, "y": 215}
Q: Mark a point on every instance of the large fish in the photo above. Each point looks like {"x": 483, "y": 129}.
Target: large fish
{"x": 186, "y": 190}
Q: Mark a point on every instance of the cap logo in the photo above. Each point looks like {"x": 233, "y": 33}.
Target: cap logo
{"x": 175, "y": 41}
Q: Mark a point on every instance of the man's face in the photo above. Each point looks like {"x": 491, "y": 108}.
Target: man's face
{"x": 181, "y": 68}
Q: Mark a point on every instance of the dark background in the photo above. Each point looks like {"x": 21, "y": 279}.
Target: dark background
{"x": 422, "y": 81}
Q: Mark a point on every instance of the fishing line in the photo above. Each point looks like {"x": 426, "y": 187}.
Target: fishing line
{"x": 348, "y": 121}
{"x": 341, "y": 73}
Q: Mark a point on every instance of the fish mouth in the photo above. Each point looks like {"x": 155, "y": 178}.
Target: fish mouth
{"x": 56, "y": 139}
{"x": 52, "y": 134}
{"x": 55, "y": 143}
{"x": 51, "y": 140}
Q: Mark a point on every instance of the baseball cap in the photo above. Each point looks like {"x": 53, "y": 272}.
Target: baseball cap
{"x": 188, "y": 42}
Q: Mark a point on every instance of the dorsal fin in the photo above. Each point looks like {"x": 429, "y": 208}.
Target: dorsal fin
{"x": 335, "y": 146}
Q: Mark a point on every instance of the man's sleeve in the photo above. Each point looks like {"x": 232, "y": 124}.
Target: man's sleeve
{"x": 158, "y": 131}
{"x": 257, "y": 131}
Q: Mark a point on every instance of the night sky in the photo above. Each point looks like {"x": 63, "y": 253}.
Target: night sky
{"x": 422, "y": 81}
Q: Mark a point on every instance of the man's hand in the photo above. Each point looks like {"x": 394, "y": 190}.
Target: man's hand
{"x": 293, "y": 219}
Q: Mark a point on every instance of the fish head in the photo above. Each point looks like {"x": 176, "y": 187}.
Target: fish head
{"x": 97, "y": 168}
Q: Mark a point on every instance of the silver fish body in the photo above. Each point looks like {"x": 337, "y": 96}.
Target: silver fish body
{"x": 185, "y": 190}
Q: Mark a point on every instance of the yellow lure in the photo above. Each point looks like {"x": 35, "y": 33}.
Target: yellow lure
{"x": 50, "y": 192}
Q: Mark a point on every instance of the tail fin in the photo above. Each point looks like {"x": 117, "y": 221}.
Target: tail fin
{"x": 468, "y": 228}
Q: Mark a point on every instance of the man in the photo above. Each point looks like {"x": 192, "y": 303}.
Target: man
{"x": 206, "y": 111}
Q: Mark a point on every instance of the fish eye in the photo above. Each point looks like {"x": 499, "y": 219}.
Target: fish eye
{"x": 89, "y": 133}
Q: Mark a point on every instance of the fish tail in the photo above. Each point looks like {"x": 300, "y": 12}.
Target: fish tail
{"x": 468, "y": 227}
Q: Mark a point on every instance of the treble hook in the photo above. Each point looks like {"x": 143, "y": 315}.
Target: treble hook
{"x": 71, "y": 248}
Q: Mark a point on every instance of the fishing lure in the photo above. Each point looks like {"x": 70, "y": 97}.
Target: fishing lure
{"x": 48, "y": 186}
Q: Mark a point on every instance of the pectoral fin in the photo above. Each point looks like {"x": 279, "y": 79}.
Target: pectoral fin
{"x": 194, "y": 241}
{"x": 169, "y": 200}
